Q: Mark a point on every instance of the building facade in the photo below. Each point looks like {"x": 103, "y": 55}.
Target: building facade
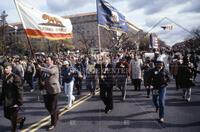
{"x": 85, "y": 33}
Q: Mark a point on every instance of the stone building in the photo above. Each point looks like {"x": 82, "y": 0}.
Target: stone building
{"x": 85, "y": 33}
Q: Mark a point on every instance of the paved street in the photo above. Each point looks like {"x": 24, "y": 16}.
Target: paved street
{"x": 136, "y": 114}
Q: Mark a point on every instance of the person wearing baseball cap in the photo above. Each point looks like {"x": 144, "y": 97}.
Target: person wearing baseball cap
{"x": 65, "y": 63}
{"x": 159, "y": 78}
{"x": 68, "y": 72}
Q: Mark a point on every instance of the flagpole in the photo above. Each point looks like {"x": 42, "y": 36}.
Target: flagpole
{"x": 29, "y": 43}
{"x": 99, "y": 38}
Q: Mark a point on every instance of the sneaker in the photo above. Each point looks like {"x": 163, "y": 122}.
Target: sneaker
{"x": 161, "y": 120}
{"x": 73, "y": 101}
{"x": 69, "y": 106}
{"x": 188, "y": 99}
{"x": 107, "y": 110}
{"x": 32, "y": 90}
{"x": 51, "y": 127}
{"x": 22, "y": 123}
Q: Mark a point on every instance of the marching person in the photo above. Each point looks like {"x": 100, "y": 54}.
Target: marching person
{"x": 30, "y": 74}
{"x": 52, "y": 89}
{"x": 159, "y": 79}
{"x": 18, "y": 68}
{"x": 148, "y": 65}
{"x": 136, "y": 72}
{"x": 185, "y": 74}
{"x": 11, "y": 97}
{"x": 1, "y": 70}
{"x": 122, "y": 69}
{"x": 174, "y": 69}
{"x": 194, "y": 59}
{"x": 91, "y": 77}
{"x": 106, "y": 83}
{"x": 78, "y": 79}
{"x": 68, "y": 74}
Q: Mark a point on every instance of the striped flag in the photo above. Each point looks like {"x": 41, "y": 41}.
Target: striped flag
{"x": 39, "y": 24}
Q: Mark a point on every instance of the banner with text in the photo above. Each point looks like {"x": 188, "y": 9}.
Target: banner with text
{"x": 39, "y": 24}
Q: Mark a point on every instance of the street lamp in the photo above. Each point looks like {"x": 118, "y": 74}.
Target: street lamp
{"x": 15, "y": 31}
{"x": 16, "y": 28}
{"x": 3, "y": 20}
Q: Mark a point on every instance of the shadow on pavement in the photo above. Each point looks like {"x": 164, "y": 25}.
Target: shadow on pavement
{"x": 181, "y": 102}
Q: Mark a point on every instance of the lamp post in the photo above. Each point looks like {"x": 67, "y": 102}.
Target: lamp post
{"x": 16, "y": 28}
{"x": 3, "y": 20}
{"x": 15, "y": 35}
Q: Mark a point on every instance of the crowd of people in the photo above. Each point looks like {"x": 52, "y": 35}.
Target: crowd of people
{"x": 56, "y": 74}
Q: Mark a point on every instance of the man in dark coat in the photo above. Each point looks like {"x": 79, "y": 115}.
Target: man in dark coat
{"x": 78, "y": 80}
{"x": 106, "y": 85}
{"x": 11, "y": 97}
{"x": 147, "y": 67}
{"x": 185, "y": 74}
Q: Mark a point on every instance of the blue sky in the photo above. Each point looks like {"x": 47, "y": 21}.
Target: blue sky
{"x": 143, "y": 13}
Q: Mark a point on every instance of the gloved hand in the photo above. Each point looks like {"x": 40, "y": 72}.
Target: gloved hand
{"x": 15, "y": 106}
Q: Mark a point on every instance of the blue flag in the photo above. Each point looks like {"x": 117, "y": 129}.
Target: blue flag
{"x": 109, "y": 17}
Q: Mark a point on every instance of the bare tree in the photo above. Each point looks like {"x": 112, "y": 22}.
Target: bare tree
{"x": 191, "y": 43}
{"x": 86, "y": 41}
{"x": 196, "y": 33}
{"x": 118, "y": 41}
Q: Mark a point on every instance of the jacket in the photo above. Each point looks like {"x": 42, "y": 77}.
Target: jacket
{"x": 12, "y": 90}
{"x": 185, "y": 74}
{"x": 52, "y": 84}
{"x": 68, "y": 74}
{"x": 159, "y": 78}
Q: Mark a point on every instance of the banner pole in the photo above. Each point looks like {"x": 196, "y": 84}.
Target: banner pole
{"x": 100, "y": 57}
{"x": 99, "y": 38}
{"x": 29, "y": 43}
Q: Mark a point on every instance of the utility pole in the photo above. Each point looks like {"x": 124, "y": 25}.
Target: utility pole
{"x": 3, "y": 24}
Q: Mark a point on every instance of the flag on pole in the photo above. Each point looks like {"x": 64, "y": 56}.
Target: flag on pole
{"x": 167, "y": 27}
{"x": 153, "y": 41}
{"x": 109, "y": 17}
{"x": 38, "y": 24}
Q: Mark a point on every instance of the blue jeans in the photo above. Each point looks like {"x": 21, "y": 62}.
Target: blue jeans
{"x": 161, "y": 94}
